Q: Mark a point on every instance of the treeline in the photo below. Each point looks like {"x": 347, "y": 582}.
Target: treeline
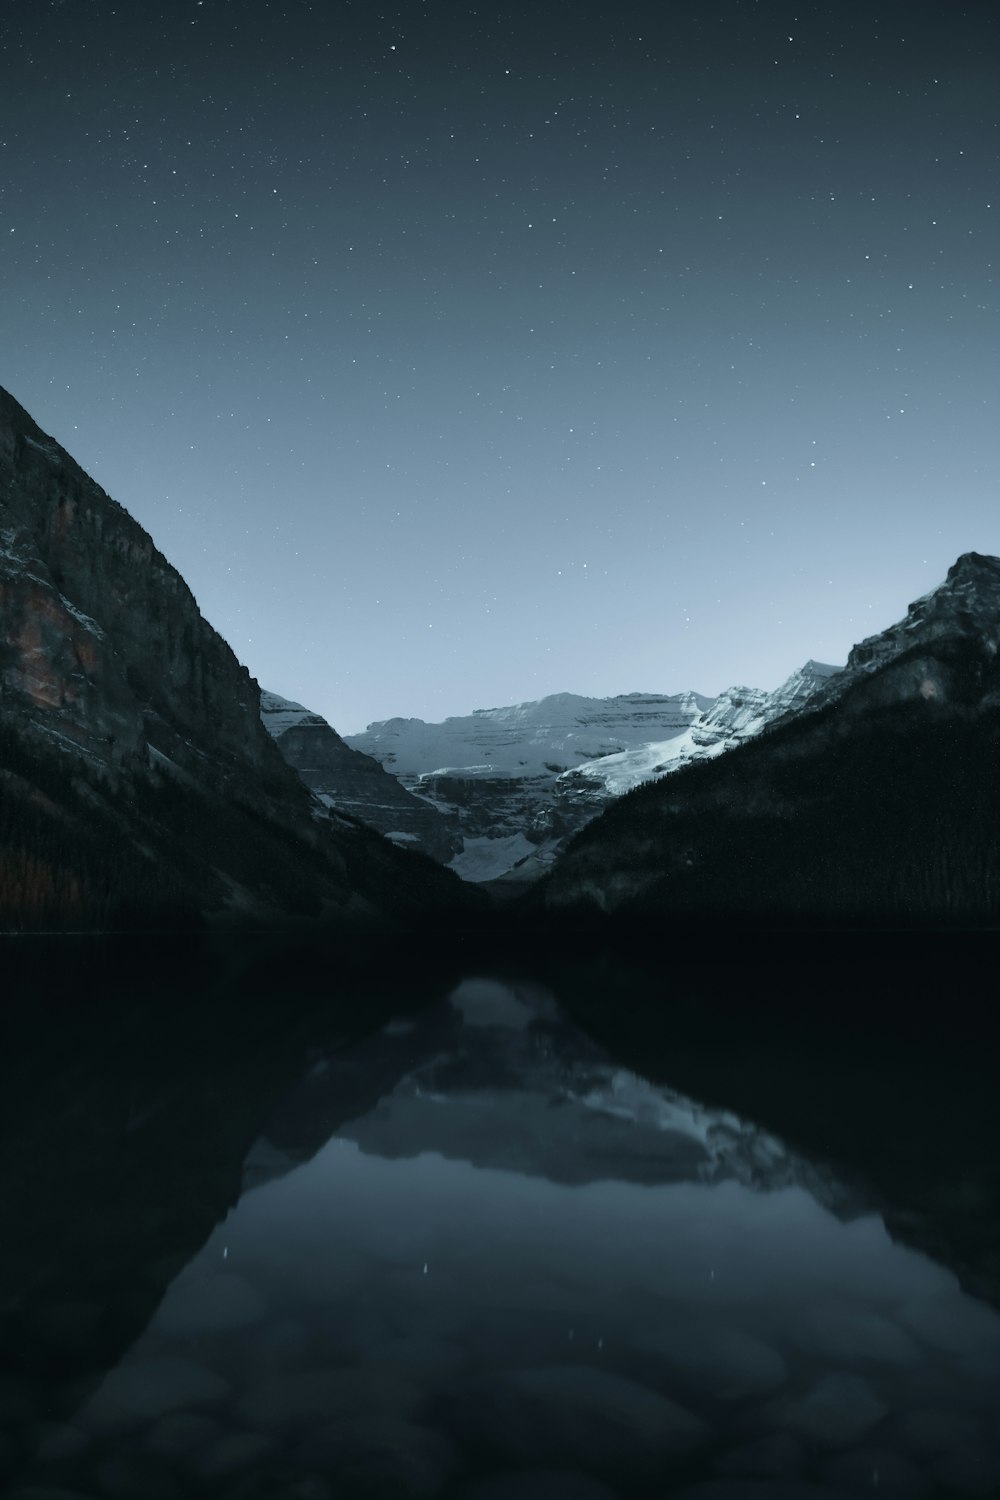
{"x": 81, "y": 850}
{"x": 892, "y": 818}
{"x": 64, "y": 859}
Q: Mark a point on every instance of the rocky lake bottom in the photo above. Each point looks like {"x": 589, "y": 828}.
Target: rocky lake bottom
{"x": 468, "y": 1254}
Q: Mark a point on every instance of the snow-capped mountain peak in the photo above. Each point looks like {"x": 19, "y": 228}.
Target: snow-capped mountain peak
{"x": 737, "y": 714}
{"x": 281, "y": 714}
{"x": 537, "y": 738}
{"x": 966, "y": 604}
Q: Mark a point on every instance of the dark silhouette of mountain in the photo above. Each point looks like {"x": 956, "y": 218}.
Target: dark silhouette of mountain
{"x": 135, "y": 1077}
{"x": 138, "y": 785}
{"x": 880, "y": 806}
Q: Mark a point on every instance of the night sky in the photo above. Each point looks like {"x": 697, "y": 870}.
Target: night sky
{"x": 459, "y": 354}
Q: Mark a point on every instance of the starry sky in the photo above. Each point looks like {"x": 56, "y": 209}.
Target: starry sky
{"x": 461, "y": 353}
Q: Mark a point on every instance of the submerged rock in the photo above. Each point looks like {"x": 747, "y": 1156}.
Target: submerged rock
{"x": 290, "y": 1403}
{"x": 851, "y": 1337}
{"x": 927, "y": 1430}
{"x": 232, "y": 1454}
{"x": 761, "y": 1489}
{"x": 428, "y": 1360}
{"x": 209, "y": 1304}
{"x": 537, "y": 1484}
{"x": 779, "y": 1455}
{"x": 46, "y": 1492}
{"x": 140, "y": 1389}
{"x": 715, "y": 1360}
{"x": 574, "y": 1414}
{"x": 838, "y": 1410}
{"x": 969, "y": 1469}
{"x": 126, "y": 1476}
{"x": 276, "y": 1483}
{"x": 383, "y": 1457}
{"x": 56, "y": 1441}
{"x": 880, "y": 1471}
{"x": 182, "y": 1433}
{"x": 954, "y": 1325}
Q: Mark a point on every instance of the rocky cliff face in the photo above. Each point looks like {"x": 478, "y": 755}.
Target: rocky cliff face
{"x": 878, "y": 802}
{"x": 520, "y": 780}
{"x": 496, "y": 771}
{"x": 964, "y": 609}
{"x": 349, "y": 781}
{"x": 737, "y": 715}
{"x": 103, "y": 644}
{"x": 528, "y": 739}
{"x": 136, "y": 772}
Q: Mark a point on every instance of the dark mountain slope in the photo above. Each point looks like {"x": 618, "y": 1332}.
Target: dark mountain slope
{"x": 137, "y": 783}
{"x": 348, "y": 781}
{"x": 880, "y": 807}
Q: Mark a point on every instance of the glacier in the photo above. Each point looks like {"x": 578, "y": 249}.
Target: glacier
{"x": 519, "y": 780}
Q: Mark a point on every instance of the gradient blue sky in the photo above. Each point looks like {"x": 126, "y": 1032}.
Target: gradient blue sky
{"x": 459, "y": 354}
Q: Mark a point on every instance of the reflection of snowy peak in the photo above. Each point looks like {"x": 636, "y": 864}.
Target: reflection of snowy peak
{"x": 736, "y": 715}
{"x": 499, "y": 1077}
{"x": 522, "y": 1089}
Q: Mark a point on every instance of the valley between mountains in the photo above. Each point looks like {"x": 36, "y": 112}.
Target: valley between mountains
{"x": 146, "y": 779}
{"x": 512, "y": 784}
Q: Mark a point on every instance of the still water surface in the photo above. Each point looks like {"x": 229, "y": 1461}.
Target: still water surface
{"x": 472, "y": 1256}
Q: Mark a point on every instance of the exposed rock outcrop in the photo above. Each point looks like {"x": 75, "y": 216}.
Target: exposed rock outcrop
{"x": 529, "y": 739}
{"x": 877, "y": 803}
{"x": 496, "y": 772}
{"x": 737, "y": 715}
{"x": 103, "y": 642}
{"x": 965, "y": 608}
{"x": 349, "y": 781}
{"x": 135, "y": 772}
{"x": 519, "y": 781}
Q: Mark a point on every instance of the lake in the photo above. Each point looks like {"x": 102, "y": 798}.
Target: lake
{"x": 703, "y": 1225}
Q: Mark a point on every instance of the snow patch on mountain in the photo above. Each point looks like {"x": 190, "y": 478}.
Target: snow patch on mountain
{"x": 519, "y": 780}
{"x": 617, "y": 774}
{"x": 966, "y": 604}
{"x": 540, "y": 738}
{"x": 281, "y": 714}
{"x": 48, "y": 449}
{"x": 738, "y": 714}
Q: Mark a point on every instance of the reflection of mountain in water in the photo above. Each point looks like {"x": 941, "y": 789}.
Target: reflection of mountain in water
{"x": 878, "y": 1058}
{"x": 511, "y": 1258}
{"x": 133, "y": 1083}
{"x": 469, "y": 1249}
{"x": 497, "y": 1076}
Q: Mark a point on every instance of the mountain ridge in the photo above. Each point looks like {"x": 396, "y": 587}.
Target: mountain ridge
{"x": 736, "y": 715}
{"x": 964, "y": 606}
{"x": 518, "y": 780}
{"x": 140, "y": 782}
{"x": 347, "y": 780}
{"x": 876, "y": 804}
{"x": 139, "y": 785}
